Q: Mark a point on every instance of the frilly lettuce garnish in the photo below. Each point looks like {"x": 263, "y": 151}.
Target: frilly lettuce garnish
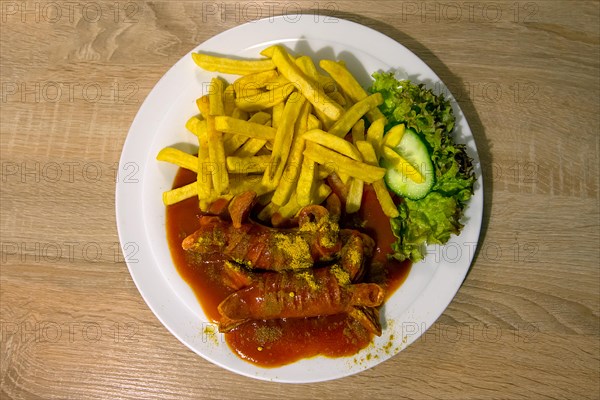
{"x": 434, "y": 218}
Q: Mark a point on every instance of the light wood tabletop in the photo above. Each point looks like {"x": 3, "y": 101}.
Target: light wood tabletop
{"x": 524, "y": 324}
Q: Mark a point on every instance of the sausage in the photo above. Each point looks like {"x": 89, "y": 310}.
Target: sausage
{"x": 289, "y": 294}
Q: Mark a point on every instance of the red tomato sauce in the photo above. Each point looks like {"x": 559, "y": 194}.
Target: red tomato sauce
{"x": 278, "y": 342}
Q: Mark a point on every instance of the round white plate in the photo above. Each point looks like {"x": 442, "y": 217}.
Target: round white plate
{"x": 431, "y": 284}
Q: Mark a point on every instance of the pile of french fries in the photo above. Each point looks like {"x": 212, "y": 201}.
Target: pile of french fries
{"x": 280, "y": 130}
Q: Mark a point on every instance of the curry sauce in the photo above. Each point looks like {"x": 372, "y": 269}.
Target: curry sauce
{"x": 278, "y": 342}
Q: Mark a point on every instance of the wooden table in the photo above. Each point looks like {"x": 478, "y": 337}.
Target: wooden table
{"x": 523, "y": 325}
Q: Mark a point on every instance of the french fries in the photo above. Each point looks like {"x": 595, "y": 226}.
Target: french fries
{"x": 306, "y": 182}
{"x": 343, "y": 125}
{"x": 349, "y": 85}
{"x": 333, "y": 142}
{"x": 311, "y": 90}
{"x": 283, "y": 143}
{"x": 279, "y": 130}
{"x": 292, "y": 169}
{"x": 216, "y": 151}
{"x": 229, "y": 66}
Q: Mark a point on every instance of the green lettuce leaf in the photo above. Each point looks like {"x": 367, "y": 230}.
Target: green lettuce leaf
{"x": 430, "y": 220}
{"x": 433, "y": 219}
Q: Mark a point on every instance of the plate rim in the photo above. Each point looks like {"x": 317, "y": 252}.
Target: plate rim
{"x": 122, "y": 192}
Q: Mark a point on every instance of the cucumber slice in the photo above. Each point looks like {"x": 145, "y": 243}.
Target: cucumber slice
{"x": 413, "y": 150}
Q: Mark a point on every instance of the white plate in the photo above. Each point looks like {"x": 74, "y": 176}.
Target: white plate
{"x": 431, "y": 284}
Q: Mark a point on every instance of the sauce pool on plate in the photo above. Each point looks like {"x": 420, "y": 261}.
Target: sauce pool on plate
{"x": 278, "y": 342}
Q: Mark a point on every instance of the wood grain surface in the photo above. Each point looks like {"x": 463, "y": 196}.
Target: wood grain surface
{"x": 524, "y": 323}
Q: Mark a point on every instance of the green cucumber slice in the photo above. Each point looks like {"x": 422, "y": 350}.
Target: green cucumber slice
{"x": 414, "y": 150}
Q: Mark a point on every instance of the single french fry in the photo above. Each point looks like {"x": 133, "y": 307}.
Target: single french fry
{"x": 334, "y": 143}
{"x": 245, "y": 128}
{"x": 199, "y": 105}
{"x": 343, "y": 125}
{"x": 230, "y": 66}
{"x": 203, "y": 205}
{"x": 179, "y": 158}
{"x": 385, "y": 200}
{"x": 203, "y": 177}
{"x": 313, "y": 93}
{"x": 306, "y": 182}
{"x": 276, "y": 114}
{"x": 306, "y": 65}
{"x": 383, "y": 195}
{"x": 393, "y": 137}
{"x": 354, "y": 198}
{"x": 367, "y": 151}
{"x": 292, "y": 168}
{"x": 375, "y": 134}
{"x": 196, "y": 125}
{"x": 340, "y": 163}
{"x": 180, "y": 194}
{"x": 264, "y": 100}
{"x": 283, "y": 142}
{"x": 247, "y": 165}
{"x": 228, "y": 100}
{"x": 349, "y": 85}
{"x": 321, "y": 193}
{"x": 358, "y": 131}
{"x": 216, "y": 151}
{"x": 215, "y": 97}
{"x": 268, "y": 51}
{"x": 402, "y": 165}
{"x": 254, "y": 81}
